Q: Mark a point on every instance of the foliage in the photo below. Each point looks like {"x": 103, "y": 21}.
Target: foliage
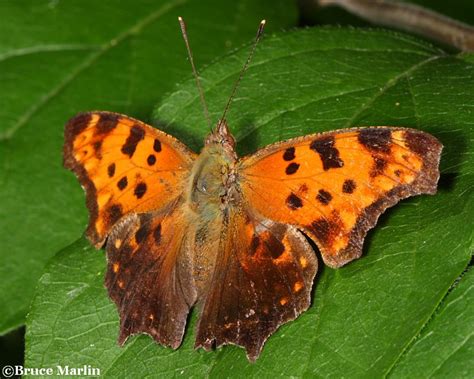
{"x": 366, "y": 316}
{"x": 66, "y": 57}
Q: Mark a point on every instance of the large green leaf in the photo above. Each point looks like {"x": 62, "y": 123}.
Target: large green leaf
{"x": 364, "y": 316}
{"x": 446, "y": 346}
{"x": 59, "y": 58}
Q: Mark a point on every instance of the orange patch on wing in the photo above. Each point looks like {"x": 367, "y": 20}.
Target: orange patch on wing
{"x": 298, "y": 286}
{"x": 303, "y": 262}
{"x": 354, "y": 174}
{"x": 125, "y": 166}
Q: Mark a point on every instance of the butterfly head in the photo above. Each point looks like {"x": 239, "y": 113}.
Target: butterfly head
{"x": 221, "y": 135}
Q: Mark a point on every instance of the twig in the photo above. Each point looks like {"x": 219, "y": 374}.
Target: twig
{"x": 412, "y": 18}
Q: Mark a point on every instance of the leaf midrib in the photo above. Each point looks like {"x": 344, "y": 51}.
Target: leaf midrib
{"x": 426, "y": 324}
{"x": 54, "y": 48}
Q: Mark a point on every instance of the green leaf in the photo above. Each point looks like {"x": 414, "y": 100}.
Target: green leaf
{"x": 59, "y": 58}
{"x": 365, "y": 315}
{"x": 446, "y": 345}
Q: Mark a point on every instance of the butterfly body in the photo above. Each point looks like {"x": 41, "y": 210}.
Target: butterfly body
{"x": 213, "y": 181}
{"x": 210, "y": 197}
{"x": 228, "y": 235}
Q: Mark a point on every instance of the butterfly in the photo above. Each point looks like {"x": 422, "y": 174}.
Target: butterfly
{"x": 227, "y": 234}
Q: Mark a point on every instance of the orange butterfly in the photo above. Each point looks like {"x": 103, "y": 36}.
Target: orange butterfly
{"x": 227, "y": 234}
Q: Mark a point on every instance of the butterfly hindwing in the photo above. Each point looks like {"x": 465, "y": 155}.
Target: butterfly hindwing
{"x": 335, "y": 185}
{"x": 263, "y": 276}
{"x": 149, "y": 274}
{"x": 124, "y": 165}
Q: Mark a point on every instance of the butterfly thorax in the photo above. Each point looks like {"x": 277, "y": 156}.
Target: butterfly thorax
{"x": 212, "y": 183}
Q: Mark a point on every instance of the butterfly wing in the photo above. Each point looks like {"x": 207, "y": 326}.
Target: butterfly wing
{"x": 134, "y": 175}
{"x": 263, "y": 276}
{"x": 149, "y": 276}
{"x": 335, "y": 185}
{"x": 125, "y": 167}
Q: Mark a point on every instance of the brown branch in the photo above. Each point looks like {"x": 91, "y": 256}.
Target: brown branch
{"x": 412, "y": 18}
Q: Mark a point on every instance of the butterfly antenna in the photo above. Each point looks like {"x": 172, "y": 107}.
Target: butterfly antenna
{"x": 236, "y": 85}
{"x": 196, "y": 76}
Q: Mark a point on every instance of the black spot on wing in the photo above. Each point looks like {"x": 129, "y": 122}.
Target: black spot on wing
{"x": 107, "y": 122}
{"x": 348, "y": 186}
{"x": 376, "y": 139}
{"x": 322, "y": 230}
{"x": 141, "y": 233}
{"x": 293, "y": 201}
{"x": 97, "y": 146}
{"x": 292, "y": 168}
{"x": 78, "y": 123}
{"x": 136, "y": 135}
{"x": 140, "y": 190}
{"x": 275, "y": 247}
{"x": 327, "y": 152}
{"x": 114, "y": 212}
{"x": 289, "y": 154}
{"x": 151, "y": 160}
{"x": 122, "y": 183}
{"x": 378, "y": 167}
{"x": 111, "y": 170}
{"x": 324, "y": 197}
{"x": 157, "y": 145}
{"x": 421, "y": 143}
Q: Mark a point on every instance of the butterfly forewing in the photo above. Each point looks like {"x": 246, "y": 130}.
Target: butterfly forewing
{"x": 335, "y": 185}
{"x": 125, "y": 167}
